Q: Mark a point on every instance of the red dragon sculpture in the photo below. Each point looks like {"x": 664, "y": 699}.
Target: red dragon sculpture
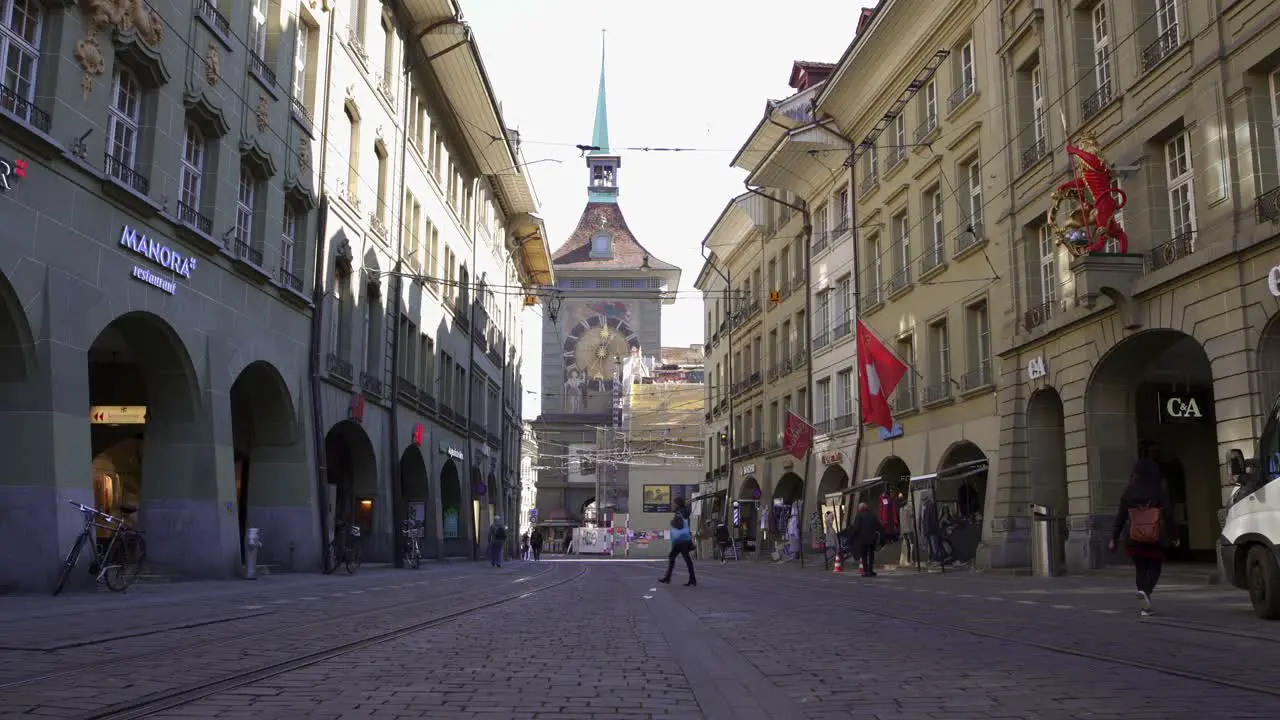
{"x": 1093, "y": 222}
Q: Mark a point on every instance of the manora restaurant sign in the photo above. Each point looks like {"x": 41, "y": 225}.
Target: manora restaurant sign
{"x": 159, "y": 254}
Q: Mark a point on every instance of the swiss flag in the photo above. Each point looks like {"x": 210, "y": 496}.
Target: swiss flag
{"x": 797, "y": 436}
{"x": 879, "y": 372}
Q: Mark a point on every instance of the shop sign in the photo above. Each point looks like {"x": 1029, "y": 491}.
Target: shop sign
{"x": 417, "y": 434}
{"x": 896, "y": 432}
{"x": 1036, "y": 368}
{"x": 748, "y": 470}
{"x": 356, "y": 409}
{"x": 1273, "y": 281}
{"x": 832, "y": 458}
{"x": 160, "y": 254}
{"x": 451, "y": 452}
{"x": 118, "y": 415}
{"x": 11, "y": 170}
{"x": 1184, "y": 408}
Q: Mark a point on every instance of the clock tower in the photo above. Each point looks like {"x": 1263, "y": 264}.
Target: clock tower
{"x": 610, "y": 292}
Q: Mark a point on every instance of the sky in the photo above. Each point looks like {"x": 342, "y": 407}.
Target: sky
{"x": 692, "y": 74}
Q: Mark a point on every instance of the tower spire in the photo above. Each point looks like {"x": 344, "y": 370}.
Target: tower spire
{"x": 600, "y": 132}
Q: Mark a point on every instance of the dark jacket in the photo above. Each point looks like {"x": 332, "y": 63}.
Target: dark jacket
{"x": 722, "y": 535}
{"x": 1148, "y": 491}
{"x": 535, "y": 539}
{"x": 866, "y": 529}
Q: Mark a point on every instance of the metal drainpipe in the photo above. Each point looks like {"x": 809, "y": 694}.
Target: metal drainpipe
{"x": 502, "y": 402}
{"x": 471, "y": 400}
{"x": 726, "y": 275}
{"x": 397, "y": 281}
{"x": 317, "y": 318}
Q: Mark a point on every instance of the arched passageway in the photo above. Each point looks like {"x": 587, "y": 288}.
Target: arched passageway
{"x": 785, "y": 507}
{"x": 1047, "y": 451}
{"x": 1152, "y": 396}
{"x": 960, "y": 491}
{"x": 415, "y": 489}
{"x": 451, "y": 509}
{"x": 30, "y": 537}
{"x": 353, "y": 483}
{"x": 147, "y": 435}
{"x": 744, "y": 513}
{"x": 273, "y": 485}
{"x": 832, "y": 500}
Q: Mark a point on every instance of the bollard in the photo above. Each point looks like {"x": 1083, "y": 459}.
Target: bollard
{"x": 252, "y": 541}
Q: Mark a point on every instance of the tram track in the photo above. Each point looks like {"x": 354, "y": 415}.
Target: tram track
{"x": 152, "y": 704}
{"x": 1057, "y": 648}
{"x": 278, "y": 630}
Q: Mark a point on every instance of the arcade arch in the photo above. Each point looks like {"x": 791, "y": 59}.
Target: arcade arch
{"x": 146, "y": 437}
{"x": 830, "y": 498}
{"x": 273, "y": 485}
{"x": 748, "y": 504}
{"x": 415, "y": 489}
{"x": 455, "y": 544}
{"x": 353, "y": 479}
{"x": 1047, "y": 451}
{"x": 1152, "y": 396}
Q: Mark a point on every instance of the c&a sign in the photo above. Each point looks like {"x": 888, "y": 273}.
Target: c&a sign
{"x": 1190, "y": 407}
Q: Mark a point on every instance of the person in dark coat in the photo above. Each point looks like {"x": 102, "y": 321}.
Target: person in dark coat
{"x": 535, "y": 544}
{"x": 1144, "y": 496}
{"x": 864, "y": 534}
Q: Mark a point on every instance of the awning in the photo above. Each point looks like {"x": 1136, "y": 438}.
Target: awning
{"x": 969, "y": 468}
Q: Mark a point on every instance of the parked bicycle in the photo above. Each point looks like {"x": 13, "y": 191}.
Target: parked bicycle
{"x": 345, "y": 548}
{"x": 412, "y": 549}
{"x": 117, "y": 560}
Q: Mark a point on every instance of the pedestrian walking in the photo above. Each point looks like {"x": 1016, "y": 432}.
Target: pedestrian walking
{"x": 681, "y": 543}
{"x": 497, "y": 536}
{"x": 1146, "y": 510}
{"x": 722, "y": 539}
{"x": 865, "y": 533}
{"x": 535, "y": 544}
{"x": 524, "y": 546}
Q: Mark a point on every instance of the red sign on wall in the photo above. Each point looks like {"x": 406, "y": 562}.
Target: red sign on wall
{"x": 417, "y": 434}
{"x": 357, "y": 407}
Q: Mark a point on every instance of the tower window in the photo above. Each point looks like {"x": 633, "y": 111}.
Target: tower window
{"x": 600, "y": 245}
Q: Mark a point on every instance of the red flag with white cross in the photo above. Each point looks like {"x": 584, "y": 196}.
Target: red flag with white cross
{"x": 879, "y": 372}
{"x": 797, "y": 436}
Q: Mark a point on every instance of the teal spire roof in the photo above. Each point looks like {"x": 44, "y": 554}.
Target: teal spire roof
{"x": 600, "y": 133}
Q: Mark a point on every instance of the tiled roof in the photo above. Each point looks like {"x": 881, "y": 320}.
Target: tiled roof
{"x": 628, "y": 253}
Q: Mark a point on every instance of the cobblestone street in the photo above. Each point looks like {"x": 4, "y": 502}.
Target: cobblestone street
{"x": 602, "y": 639}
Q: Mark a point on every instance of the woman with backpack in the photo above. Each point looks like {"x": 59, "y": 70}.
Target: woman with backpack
{"x": 1146, "y": 510}
{"x": 681, "y": 543}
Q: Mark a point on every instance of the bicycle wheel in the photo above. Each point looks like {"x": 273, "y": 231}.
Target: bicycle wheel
{"x": 125, "y": 563}
{"x": 69, "y": 564}
{"x": 353, "y": 560}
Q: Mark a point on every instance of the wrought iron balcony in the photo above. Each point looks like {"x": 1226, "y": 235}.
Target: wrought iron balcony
{"x": 247, "y": 253}
{"x": 188, "y": 216}
{"x": 1266, "y": 207}
{"x": 371, "y": 384}
{"x": 872, "y": 293}
{"x": 23, "y": 109}
{"x": 819, "y": 241}
{"x": 968, "y": 239}
{"x": 120, "y": 171}
{"x": 339, "y": 367}
{"x": 301, "y": 111}
{"x": 935, "y": 259}
{"x": 897, "y": 156}
{"x": 899, "y": 281}
{"x": 1170, "y": 252}
{"x": 904, "y": 397}
{"x": 426, "y": 399}
{"x": 960, "y": 94}
{"x": 840, "y": 229}
{"x": 924, "y": 129}
{"x": 977, "y": 377}
{"x": 797, "y": 281}
{"x": 869, "y": 181}
{"x": 842, "y": 329}
{"x": 1163, "y": 47}
{"x": 821, "y": 340}
{"x": 773, "y": 372}
{"x": 1038, "y": 315}
{"x": 1093, "y": 104}
{"x": 408, "y": 390}
{"x": 1032, "y": 154}
{"x": 289, "y": 280}
{"x": 822, "y": 427}
{"x": 209, "y": 11}
{"x": 258, "y": 66}
{"x": 843, "y": 422}
{"x": 938, "y": 391}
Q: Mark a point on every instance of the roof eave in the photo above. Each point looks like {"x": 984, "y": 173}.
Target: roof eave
{"x": 833, "y": 80}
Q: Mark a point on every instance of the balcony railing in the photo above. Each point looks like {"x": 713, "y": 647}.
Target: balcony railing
{"x": 209, "y": 11}
{"x": 773, "y": 372}
{"x": 821, "y": 340}
{"x": 23, "y": 109}
{"x": 843, "y": 422}
{"x": 1266, "y": 207}
{"x": 869, "y": 181}
{"x": 819, "y": 241}
{"x": 754, "y": 380}
{"x": 935, "y": 259}
{"x": 897, "y": 156}
{"x": 188, "y": 216}
{"x": 960, "y": 94}
{"x": 1166, "y": 254}
{"x": 1093, "y": 104}
{"x": 408, "y": 390}
{"x": 797, "y": 282}
{"x": 977, "y": 377}
{"x": 904, "y": 398}
{"x": 842, "y": 329}
{"x": 1038, "y": 315}
{"x": 289, "y": 280}
{"x": 426, "y": 398}
{"x": 339, "y": 368}
{"x": 1163, "y": 47}
{"x": 938, "y": 391}
{"x": 822, "y": 427}
{"x": 840, "y": 229}
{"x": 258, "y": 66}
{"x": 967, "y": 239}
{"x": 125, "y": 174}
{"x": 302, "y": 111}
{"x": 872, "y": 293}
{"x": 356, "y": 45}
{"x": 371, "y": 384}
{"x": 1032, "y": 154}
{"x": 924, "y": 129}
{"x": 247, "y": 253}
{"x": 899, "y": 281}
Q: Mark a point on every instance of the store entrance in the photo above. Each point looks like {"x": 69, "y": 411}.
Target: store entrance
{"x": 1176, "y": 443}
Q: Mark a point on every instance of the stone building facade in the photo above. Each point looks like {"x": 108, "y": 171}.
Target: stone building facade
{"x": 163, "y": 192}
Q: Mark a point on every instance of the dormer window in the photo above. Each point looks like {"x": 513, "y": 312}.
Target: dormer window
{"x": 601, "y": 246}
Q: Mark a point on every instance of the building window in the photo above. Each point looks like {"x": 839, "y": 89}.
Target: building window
{"x": 822, "y": 413}
{"x": 871, "y": 166}
{"x": 244, "y": 210}
{"x": 929, "y": 111}
{"x": 304, "y": 46}
{"x": 388, "y": 53}
{"x": 1041, "y": 128}
{"x": 193, "y": 152}
{"x": 122, "y": 126}
{"x": 258, "y": 28}
{"x": 978, "y": 326}
{"x": 821, "y": 320}
{"x": 844, "y": 399}
{"x": 939, "y": 245}
{"x": 1101, "y": 52}
{"x": 1179, "y": 175}
{"x": 875, "y": 270}
{"x": 600, "y": 246}
{"x": 844, "y": 306}
{"x": 842, "y": 207}
{"x": 288, "y": 238}
{"x": 968, "y": 80}
{"x": 383, "y": 179}
{"x": 353, "y": 154}
{"x": 1048, "y": 268}
{"x": 899, "y": 152}
{"x": 1167, "y": 26}
{"x": 905, "y": 396}
{"x": 20, "y": 26}
{"x": 973, "y": 182}
{"x": 940, "y": 360}
{"x": 902, "y": 256}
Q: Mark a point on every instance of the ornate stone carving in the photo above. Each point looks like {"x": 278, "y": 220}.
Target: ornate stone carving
{"x": 212, "y": 65}
{"x": 263, "y": 113}
{"x": 304, "y": 154}
{"x": 122, "y": 15}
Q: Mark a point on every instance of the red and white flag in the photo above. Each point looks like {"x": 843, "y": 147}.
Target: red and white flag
{"x": 879, "y": 372}
{"x": 797, "y": 436}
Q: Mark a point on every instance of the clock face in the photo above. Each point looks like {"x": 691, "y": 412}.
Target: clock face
{"x": 594, "y": 347}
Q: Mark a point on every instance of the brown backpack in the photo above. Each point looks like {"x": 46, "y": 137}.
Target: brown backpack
{"x": 1144, "y": 524}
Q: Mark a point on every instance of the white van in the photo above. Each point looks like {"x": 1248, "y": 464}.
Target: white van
{"x": 1249, "y": 548}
